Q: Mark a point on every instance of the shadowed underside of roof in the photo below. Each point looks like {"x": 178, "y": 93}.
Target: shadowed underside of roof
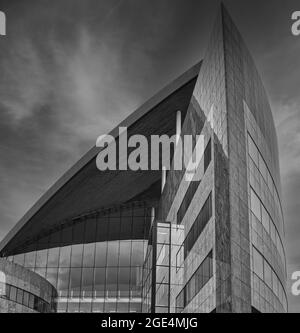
{"x": 84, "y": 188}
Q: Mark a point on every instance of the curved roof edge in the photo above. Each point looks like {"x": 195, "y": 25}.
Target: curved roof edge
{"x": 130, "y": 120}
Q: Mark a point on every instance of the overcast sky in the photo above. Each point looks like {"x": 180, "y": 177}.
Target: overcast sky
{"x": 71, "y": 70}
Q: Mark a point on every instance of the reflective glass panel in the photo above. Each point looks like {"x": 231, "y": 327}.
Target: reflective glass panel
{"x": 101, "y": 253}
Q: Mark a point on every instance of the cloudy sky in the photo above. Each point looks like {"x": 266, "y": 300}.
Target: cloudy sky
{"x": 71, "y": 70}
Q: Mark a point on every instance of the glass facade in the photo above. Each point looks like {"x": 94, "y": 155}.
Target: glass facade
{"x": 98, "y": 276}
{"x": 266, "y": 224}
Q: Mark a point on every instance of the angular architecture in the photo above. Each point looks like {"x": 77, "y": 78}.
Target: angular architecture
{"x": 157, "y": 240}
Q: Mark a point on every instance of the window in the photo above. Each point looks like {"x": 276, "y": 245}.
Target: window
{"x": 255, "y": 205}
{"x": 88, "y": 255}
{"x": 198, "y": 226}
{"x": 76, "y": 259}
{"x": 207, "y": 155}
{"x": 19, "y": 296}
{"x": 53, "y": 257}
{"x": 188, "y": 197}
{"x": 198, "y": 280}
{"x": 268, "y": 274}
{"x": 179, "y": 258}
{"x": 263, "y": 168}
{"x": 193, "y": 186}
{"x": 258, "y": 264}
{"x": 13, "y": 293}
{"x": 265, "y": 219}
{"x": 253, "y": 151}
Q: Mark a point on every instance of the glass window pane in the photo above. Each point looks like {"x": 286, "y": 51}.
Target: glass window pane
{"x": 53, "y": 257}
{"x": 63, "y": 282}
{"x": 268, "y": 274}
{"x": 89, "y": 255}
{"x": 98, "y": 306}
{"x": 122, "y": 307}
{"x": 51, "y": 276}
{"x": 73, "y": 307}
{"x": 99, "y": 284}
{"x": 110, "y": 307}
{"x": 101, "y": 253}
{"x": 113, "y": 253}
{"x": 135, "y": 307}
{"x": 255, "y": 205}
{"x": 65, "y": 256}
{"x": 76, "y": 257}
{"x": 125, "y": 250}
{"x": 85, "y": 307}
{"x": 137, "y": 253}
{"x": 263, "y": 168}
{"x": 30, "y": 259}
{"x": 20, "y": 296}
{"x": 26, "y": 298}
{"x": 41, "y": 258}
{"x": 265, "y": 219}
{"x": 135, "y": 281}
{"x": 258, "y": 263}
{"x": 124, "y": 281}
{"x": 112, "y": 281}
{"x": 87, "y": 282}
{"x": 253, "y": 152}
{"x": 13, "y": 293}
{"x": 75, "y": 282}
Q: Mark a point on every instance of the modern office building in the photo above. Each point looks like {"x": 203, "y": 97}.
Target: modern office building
{"x": 23, "y": 291}
{"x": 158, "y": 241}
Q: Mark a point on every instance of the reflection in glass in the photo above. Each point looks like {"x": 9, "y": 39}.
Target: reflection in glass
{"x": 76, "y": 256}
{"x": 65, "y": 256}
{"x": 113, "y": 253}
{"x": 41, "y": 258}
{"x": 125, "y": 249}
{"x": 51, "y": 276}
{"x": 87, "y": 282}
{"x": 75, "y": 282}
{"x": 53, "y": 257}
{"x": 110, "y": 307}
{"x": 101, "y": 252}
{"x": 88, "y": 255}
{"x": 85, "y": 306}
{"x": 98, "y": 305}
{"x": 30, "y": 259}
{"x": 135, "y": 307}
{"x": 111, "y": 281}
{"x": 73, "y": 306}
{"x": 124, "y": 281}
{"x": 137, "y": 255}
{"x": 122, "y": 307}
{"x": 63, "y": 281}
{"x": 136, "y": 281}
{"x": 99, "y": 282}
